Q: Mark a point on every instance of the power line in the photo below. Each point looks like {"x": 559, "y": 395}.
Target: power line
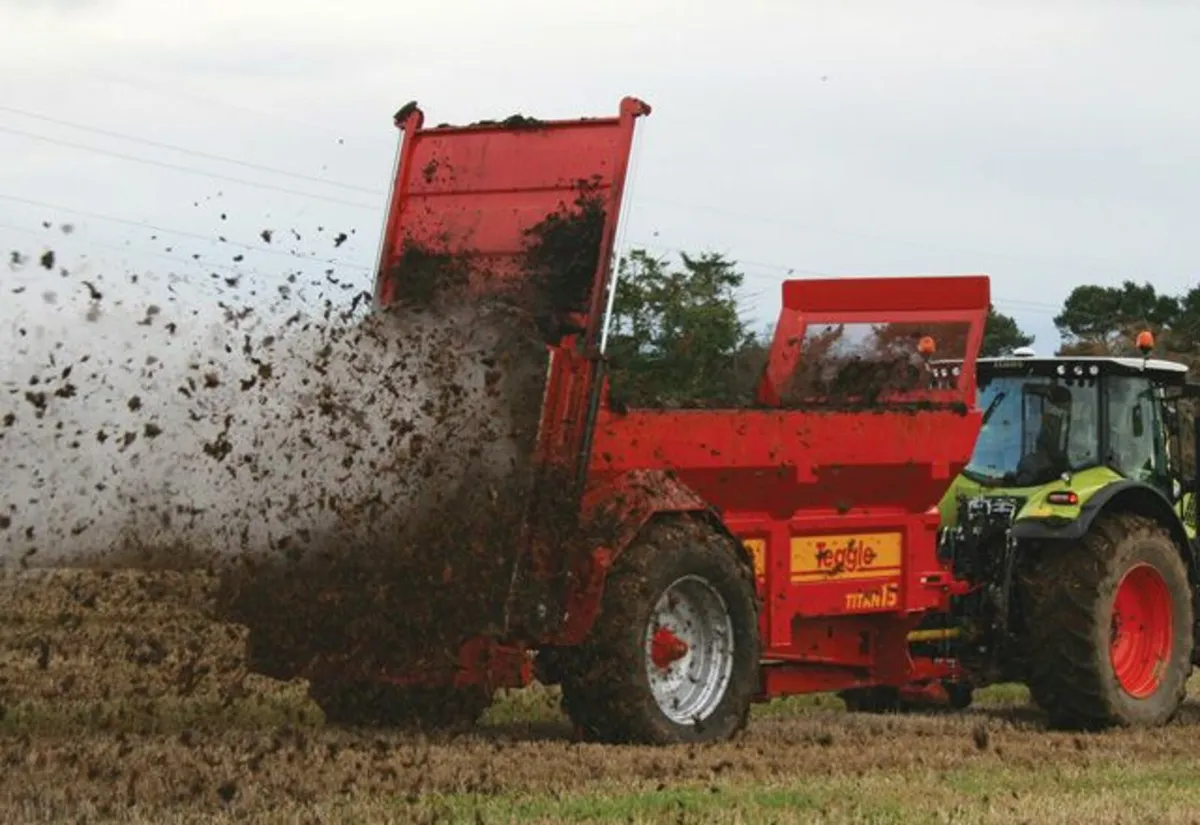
{"x": 751, "y": 298}
{"x": 174, "y": 93}
{"x": 759, "y": 218}
{"x": 694, "y": 206}
{"x": 741, "y": 262}
{"x": 791, "y": 270}
{"x": 208, "y": 267}
{"x": 145, "y": 253}
{"x": 195, "y": 152}
{"x": 210, "y": 239}
{"x": 756, "y": 218}
{"x": 180, "y": 232}
{"x": 187, "y": 169}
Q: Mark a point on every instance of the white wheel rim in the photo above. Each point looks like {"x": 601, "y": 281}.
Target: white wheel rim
{"x": 690, "y": 687}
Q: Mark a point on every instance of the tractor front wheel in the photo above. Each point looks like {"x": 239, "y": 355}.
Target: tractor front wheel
{"x": 674, "y": 655}
{"x": 1110, "y": 627}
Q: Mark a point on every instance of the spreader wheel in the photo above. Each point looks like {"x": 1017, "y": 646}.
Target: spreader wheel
{"x": 387, "y": 705}
{"x": 1111, "y": 627}
{"x": 674, "y": 655}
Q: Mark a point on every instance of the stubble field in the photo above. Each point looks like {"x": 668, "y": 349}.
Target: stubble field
{"x": 122, "y": 702}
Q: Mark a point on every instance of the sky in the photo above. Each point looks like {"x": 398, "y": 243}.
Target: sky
{"x": 1047, "y": 145}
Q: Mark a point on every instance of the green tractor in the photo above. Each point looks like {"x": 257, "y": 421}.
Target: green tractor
{"x": 1075, "y": 523}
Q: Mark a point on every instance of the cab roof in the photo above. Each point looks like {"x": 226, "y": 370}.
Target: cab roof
{"x": 1122, "y": 362}
{"x": 1171, "y": 372}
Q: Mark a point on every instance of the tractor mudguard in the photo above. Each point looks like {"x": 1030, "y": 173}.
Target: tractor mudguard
{"x": 629, "y": 501}
{"x": 1128, "y": 495}
{"x": 626, "y": 504}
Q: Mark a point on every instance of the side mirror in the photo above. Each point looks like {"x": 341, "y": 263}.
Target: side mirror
{"x": 1171, "y": 418}
{"x": 1139, "y": 426}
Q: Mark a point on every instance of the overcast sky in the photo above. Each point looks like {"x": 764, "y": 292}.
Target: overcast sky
{"x": 1047, "y": 144}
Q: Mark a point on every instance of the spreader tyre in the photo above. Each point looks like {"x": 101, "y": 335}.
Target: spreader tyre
{"x": 880, "y": 699}
{"x": 674, "y": 655}
{"x": 885, "y": 699}
{"x": 1110, "y": 627}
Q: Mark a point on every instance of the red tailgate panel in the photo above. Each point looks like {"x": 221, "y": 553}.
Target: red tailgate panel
{"x": 476, "y": 190}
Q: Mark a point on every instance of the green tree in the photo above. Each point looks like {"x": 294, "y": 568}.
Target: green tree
{"x": 1103, "y": 318}
{"x": 1098, "y": 320}
{"x": 676, "y": 336}
{"x": 1187, "y": 325}
{"x": 677, "y": 339}
{"x": 1002, "y": 334}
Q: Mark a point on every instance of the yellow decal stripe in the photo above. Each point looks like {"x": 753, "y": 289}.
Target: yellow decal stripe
{"x": 873, "y": 573}
{"x": 758, "y": 551}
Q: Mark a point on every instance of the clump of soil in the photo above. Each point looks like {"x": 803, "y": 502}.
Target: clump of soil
{"x": 561, "y": 259}
{"x": 854, "y": 381}
{"x": 867, "y": 377}
{"x": 519, "y": 121}
{"x": 408, "y": 595}
{"x": 515, "y": 122}
{"x": 404, "y": 579}
{"x": 423, "y": 278}
{"x": 354, "y": 486}
{"x": 347, "y": 482}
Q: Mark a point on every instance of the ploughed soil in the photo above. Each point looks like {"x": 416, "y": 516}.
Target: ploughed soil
{"x": 122, "y": 702}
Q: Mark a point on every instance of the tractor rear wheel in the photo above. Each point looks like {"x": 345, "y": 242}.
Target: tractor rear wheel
{"x": 674, "y": 655}
{"x": 1110, "y": 627}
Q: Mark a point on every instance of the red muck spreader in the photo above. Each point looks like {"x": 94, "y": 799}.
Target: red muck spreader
{"x": 675, "y": 566}
{"x": 832, "y": 483}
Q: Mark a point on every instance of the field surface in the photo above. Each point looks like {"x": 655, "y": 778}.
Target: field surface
{"x": 122, "y": 704}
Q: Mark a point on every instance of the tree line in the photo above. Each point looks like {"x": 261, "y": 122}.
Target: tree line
{"x": 678, "y": 331}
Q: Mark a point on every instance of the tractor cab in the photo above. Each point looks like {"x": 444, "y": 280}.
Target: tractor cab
{"x": 1050, "y": 418}
{"x": 1076, "y": 424}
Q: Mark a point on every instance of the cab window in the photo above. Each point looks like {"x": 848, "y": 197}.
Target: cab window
{"x": 1136, "y": 437}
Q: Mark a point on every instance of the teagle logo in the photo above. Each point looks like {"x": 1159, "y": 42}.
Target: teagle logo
{"x": 854, "y": 555}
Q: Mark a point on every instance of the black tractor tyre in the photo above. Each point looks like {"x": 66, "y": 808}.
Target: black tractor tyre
{"x": 961, "y": 694}
{"x": 608, "y": 694}
{"x": 387, "y": 705}
{"x": 880, "y": 699}
{"x": 885, "y": 699}
{"x": 1070, "y": 594}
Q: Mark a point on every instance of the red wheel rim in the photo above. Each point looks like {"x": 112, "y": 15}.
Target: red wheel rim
{"x": 1141, "y": 631}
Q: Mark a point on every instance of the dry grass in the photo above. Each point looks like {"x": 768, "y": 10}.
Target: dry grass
{"x": 988, "y": 765}
{"x": 244, "y": 749}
